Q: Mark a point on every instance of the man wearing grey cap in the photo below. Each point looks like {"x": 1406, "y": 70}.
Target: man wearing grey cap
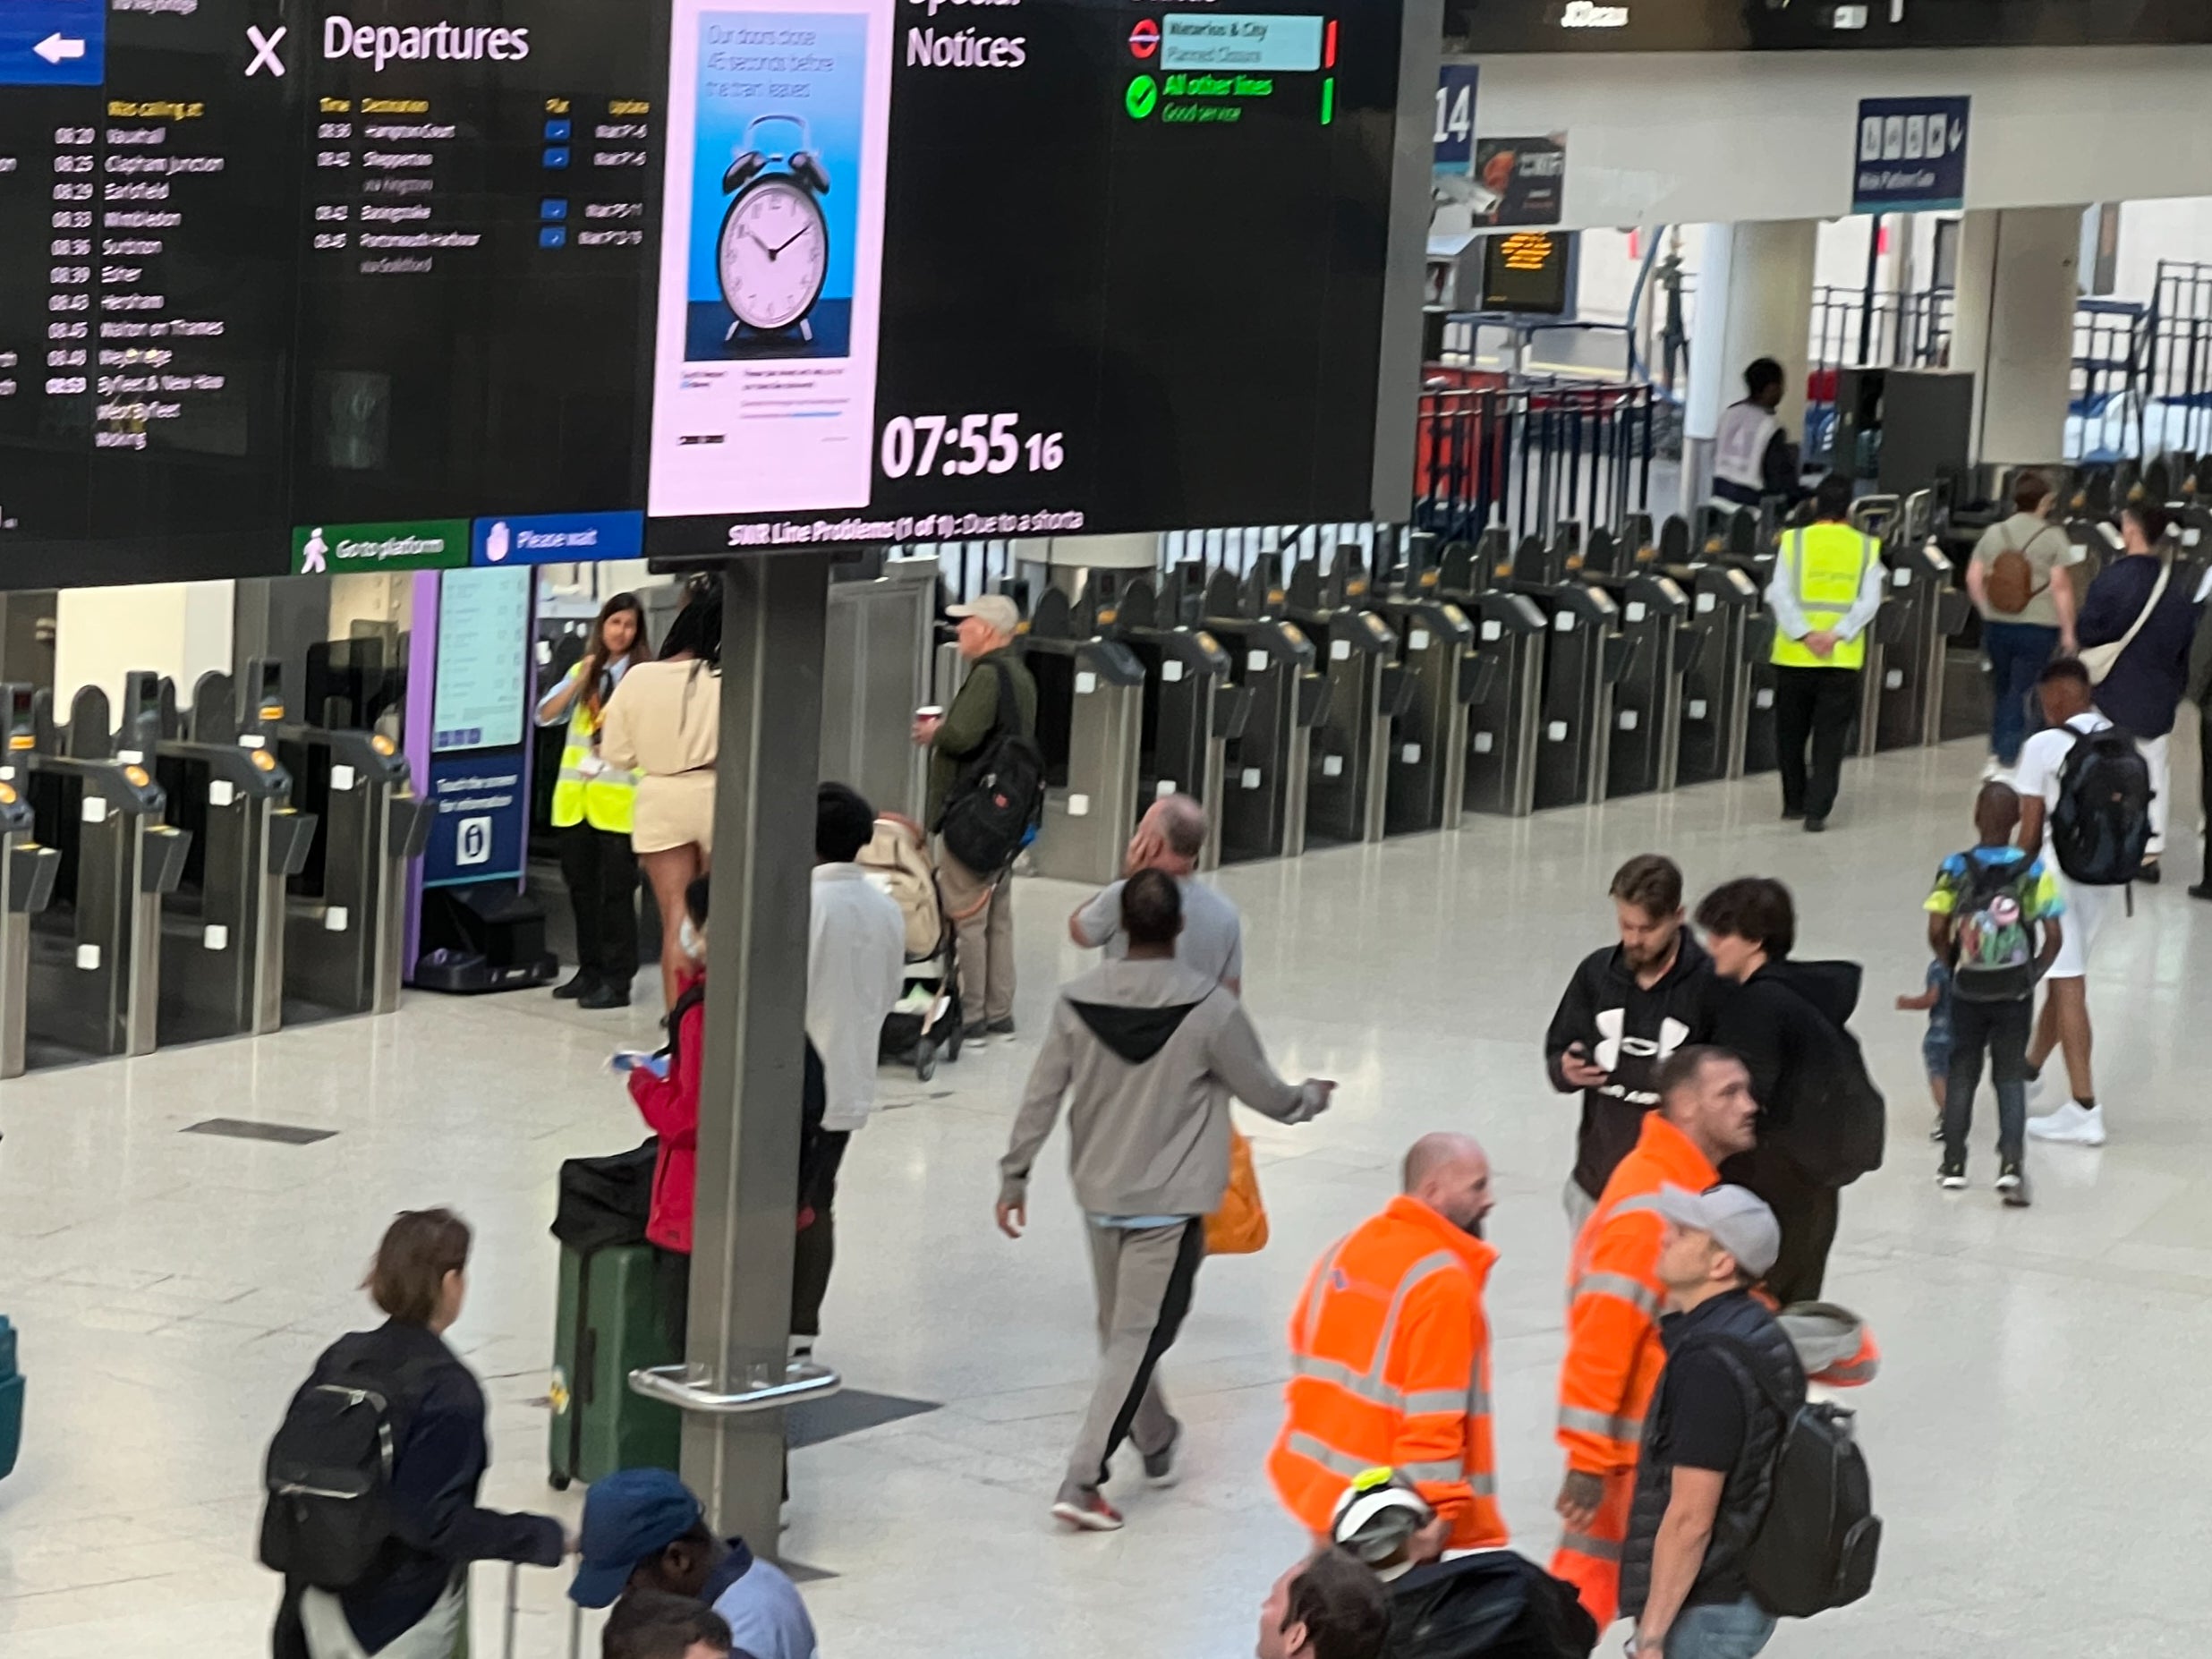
{"x": 1712, "y": 1435}
{"x": 980, "y": 902}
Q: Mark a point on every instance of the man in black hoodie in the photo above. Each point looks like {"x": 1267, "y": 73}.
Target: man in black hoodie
{"x": 1626, "y": 1009}
{"x": 1819, "y": 1119}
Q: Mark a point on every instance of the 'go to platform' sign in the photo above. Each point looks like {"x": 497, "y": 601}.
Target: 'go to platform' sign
{"x": 1910, "y": 154}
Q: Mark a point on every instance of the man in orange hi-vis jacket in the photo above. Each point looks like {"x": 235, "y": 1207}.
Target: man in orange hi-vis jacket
{"x": 1706, "y": 1113}
{"x": 1390, "y": 1357}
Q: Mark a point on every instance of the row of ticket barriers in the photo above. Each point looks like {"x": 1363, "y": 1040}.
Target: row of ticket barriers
{"x": 1324, "y": 707}
{"x": 170, "y": 877}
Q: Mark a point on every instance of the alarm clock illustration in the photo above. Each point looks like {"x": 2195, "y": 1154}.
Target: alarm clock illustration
{"x": 774, "y": 250}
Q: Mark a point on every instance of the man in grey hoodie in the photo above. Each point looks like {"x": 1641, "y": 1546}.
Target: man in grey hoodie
{"x": 1148, "y": 1052}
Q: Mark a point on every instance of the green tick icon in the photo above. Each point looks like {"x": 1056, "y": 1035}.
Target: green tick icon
{"x": 1143, "y": 93}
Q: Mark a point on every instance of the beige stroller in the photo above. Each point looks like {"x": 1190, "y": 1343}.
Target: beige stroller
{"x": 927, "y": 1020}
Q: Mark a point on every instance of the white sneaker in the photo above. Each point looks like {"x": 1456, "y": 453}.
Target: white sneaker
{"x": 1992, "y": 767}
{"x": 2072, "y": 1124}
{"x": 2043, "y": 1087}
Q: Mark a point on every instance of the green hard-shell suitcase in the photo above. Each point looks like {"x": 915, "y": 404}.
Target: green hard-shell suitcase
{"x": 609, "y": 1323}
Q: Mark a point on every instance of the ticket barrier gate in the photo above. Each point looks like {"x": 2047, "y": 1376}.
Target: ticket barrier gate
{"x": 346, "y": 909}
{"x": 92, "y": 985}
{"x": 1265, "y": 765}
{"x": 1645, "y": 749}
{"x": 1585, "y": 658}
{"x": 1192, "y": 713}
{"x": 27, "y": 873}
{"x": 223, "y": 929}
{"x": 1347, "y": 785}
{"x": 1426, "y": 787}
{"x": 1090, "y": 718}
{"x": 1909, "y": 700}
{"x": 1506, "y": 697}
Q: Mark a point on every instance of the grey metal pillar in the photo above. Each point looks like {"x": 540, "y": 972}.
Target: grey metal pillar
{"x": 774, "y": 608}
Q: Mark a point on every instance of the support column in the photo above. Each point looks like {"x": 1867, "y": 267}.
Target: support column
{"x": 2014, "y": 329}
{"x": 1754, "y": 299}
{"x": 775, "y": 609}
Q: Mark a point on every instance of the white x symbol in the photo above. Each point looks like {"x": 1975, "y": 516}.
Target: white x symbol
{"x": 265, "y": 51}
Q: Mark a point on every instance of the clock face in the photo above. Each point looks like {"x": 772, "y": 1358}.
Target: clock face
{"x": 775, "y": 251}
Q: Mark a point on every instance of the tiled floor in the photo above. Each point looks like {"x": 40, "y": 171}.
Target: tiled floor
{"x": 2031, "y": 1436}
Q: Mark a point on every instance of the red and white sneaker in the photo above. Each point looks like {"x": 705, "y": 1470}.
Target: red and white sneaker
{"x": 1086, "y": 1510}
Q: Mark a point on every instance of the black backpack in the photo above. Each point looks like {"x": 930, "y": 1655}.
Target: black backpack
{"x": 993, "y": 809}
{"x": 1836, "y": 1122}
{"x": 1815, "y": 1548}
{"x": 329, "y": 1472}
{"x": 2100, "y": 828}
{"x": 1495, "y": 1604}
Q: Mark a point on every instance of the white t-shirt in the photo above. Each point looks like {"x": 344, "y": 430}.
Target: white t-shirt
{"x": 856, "y": 968}
{"x": 2042, "y": 757}
{"x": 1213, "y": 936}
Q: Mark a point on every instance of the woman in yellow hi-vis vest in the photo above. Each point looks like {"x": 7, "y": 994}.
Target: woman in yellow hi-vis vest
{"x": 593, "y": 807}
{"x": 1826, "y": 586}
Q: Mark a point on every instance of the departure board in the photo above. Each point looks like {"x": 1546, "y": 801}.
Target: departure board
{"x": 476, "y": 233}
{"x": 296, "y": 286}
{"x": 147, "y": 275}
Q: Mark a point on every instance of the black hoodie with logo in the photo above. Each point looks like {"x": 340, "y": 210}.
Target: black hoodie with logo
{"x": 1629, "y": 1031}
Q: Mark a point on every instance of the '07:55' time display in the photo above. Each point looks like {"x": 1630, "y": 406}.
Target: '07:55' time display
{"x": 961, "y": 446}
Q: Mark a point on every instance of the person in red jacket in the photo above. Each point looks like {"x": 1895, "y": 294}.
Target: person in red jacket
{"x": 666, "y": 1088}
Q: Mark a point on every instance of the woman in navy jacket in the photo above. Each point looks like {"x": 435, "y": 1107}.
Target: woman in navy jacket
{"x": 2145, "y": 686}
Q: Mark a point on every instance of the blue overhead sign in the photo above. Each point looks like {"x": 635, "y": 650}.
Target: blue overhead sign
{"x": 1909, "y": 156}
{"x": 565, "y": 538}
{"x": 1454, "y": 138}
{"x": 53, "y": 43}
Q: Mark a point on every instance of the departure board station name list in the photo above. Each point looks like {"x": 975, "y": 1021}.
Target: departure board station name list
{"x": 123, "y": 195}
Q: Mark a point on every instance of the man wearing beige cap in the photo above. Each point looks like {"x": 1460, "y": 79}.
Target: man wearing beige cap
{"x": 980, "y": 903}
{"x": 1713, "y": 1434}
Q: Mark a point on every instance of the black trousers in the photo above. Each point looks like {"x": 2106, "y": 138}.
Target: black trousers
{"x": 815, "y": 1250}
{"x": 1815, "y": 706}
{"x": 1806, "y": 1210}
{"x": 2003, "y": 1028}
{"x": 2204, "y": 790}
{"x": 601, "y": 873}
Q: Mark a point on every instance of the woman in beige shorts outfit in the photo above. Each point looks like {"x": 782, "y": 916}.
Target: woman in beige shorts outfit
{"x": 664, "y": 722}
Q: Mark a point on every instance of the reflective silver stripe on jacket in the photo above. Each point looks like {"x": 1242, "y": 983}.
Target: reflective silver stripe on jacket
{"x": 1581, "y": 1420}
{"x": 1635, "y": 1292}
{"x": 1596, "y": 1549}
{"x": 1303, "y": 1445}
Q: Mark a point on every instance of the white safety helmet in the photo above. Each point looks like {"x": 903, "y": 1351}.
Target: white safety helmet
{"x": 1377, "y": 1513}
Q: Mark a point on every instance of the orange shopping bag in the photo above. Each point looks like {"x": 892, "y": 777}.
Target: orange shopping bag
{"x": 1239, "y": 1227}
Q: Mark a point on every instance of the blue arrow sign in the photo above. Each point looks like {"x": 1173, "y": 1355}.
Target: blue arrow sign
{"x": 53, "y": 43}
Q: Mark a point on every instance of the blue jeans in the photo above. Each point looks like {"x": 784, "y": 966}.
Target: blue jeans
{"x": 1720, "y": 1631}
{"x": 2017, "y": 651}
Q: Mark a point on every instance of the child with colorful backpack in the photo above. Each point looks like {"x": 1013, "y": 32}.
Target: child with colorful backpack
{"x": 1993, "y": 920}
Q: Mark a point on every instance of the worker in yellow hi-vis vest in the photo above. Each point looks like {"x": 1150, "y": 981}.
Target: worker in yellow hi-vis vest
{"x": 1828, "y": 586}
{"x": 593, "y": 808}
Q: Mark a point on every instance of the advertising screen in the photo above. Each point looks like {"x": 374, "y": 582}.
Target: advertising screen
{"x": 419, "y": 283}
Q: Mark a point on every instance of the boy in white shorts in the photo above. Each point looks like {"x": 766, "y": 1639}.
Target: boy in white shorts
{"x": 2070, "y": 711}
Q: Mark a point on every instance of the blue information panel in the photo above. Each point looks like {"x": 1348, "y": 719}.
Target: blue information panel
{"x": 578, "y": 538}
{"x": 484, "y": 648}
{"x": 481, "y": 805}
{"x": 53, "y": 43}
{"x": 1910, "y": 155}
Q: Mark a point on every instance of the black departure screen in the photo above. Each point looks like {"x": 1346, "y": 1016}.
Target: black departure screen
{"x": 476, "y": 237}
{"x": 417, "y": 280}
{"x": 146, "y": 289}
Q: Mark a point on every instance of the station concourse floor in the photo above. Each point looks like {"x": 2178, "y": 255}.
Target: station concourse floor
{"x": 2030, "y": 1436}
